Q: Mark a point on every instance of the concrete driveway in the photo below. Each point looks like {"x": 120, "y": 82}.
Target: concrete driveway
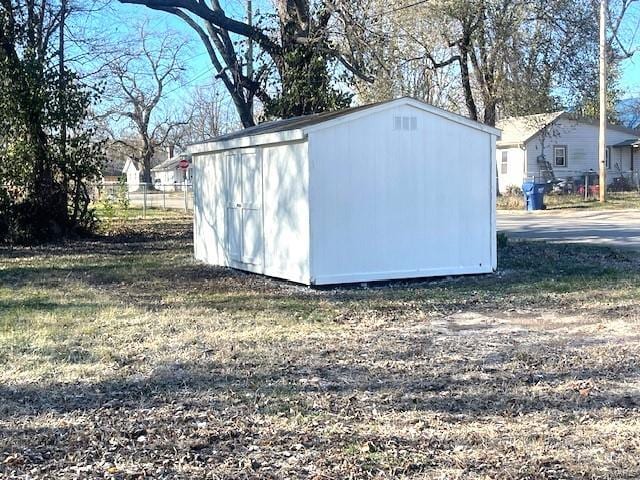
{"x": 616, "y": 228}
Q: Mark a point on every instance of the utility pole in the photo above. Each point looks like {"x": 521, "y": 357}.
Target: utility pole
{"x": 602, "y": 138}
{"x": 249, "y": 58}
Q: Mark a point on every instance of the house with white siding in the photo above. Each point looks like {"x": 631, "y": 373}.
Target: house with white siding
{"x": 559, "y": 145}
{"x": 132, "y": 170}
{"x": 171, "y": 176}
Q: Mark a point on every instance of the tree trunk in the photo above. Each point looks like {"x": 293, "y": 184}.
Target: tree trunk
{"x": 244, "y": 110}
{"x": 463, "y": 49}
{"x": 146, "y": 166}
{"x": 490, "y": 112}
{"x": 50, "y": 201}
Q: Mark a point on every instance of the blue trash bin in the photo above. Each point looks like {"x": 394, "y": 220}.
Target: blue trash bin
{"x": 533, "y": 195}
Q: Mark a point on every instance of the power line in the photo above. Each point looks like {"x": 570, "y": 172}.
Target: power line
{"x": 188, "y": 82}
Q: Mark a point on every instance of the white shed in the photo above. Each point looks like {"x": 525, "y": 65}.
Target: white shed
{"x": 398, "y": 189}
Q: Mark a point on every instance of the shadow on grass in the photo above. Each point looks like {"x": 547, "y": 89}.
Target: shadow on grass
{"x": 496, "y": 383}
{"x": 136, "y": 237}
{"x": 530, "y": 275}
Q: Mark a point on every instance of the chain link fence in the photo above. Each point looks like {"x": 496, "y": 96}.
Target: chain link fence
{"x": 586, "y": 184}
{"x": 146, "y": 196}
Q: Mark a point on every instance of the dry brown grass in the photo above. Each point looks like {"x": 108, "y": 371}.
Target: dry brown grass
{"x": 615, "y": 200}
{"x": 123, "y": 358}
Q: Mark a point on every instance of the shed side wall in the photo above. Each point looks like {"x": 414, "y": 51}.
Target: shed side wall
{"x": 285, "y": 212}
{"x": 395, "y": 203}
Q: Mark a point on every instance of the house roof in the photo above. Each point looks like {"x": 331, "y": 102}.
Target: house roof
{"x": 519, "y": 130}
{"x": 302, "y": 123}
{"x": 159, "y": 157}
{"x": 631, "y": 142}
{"x": 131, "y": 161}
{"x": 170, "y": 163}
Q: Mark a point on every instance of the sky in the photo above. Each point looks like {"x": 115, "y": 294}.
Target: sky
{"x": 118, "y": 19}
{"x": 630, "y": 37}
{"x": 630, "y": 80}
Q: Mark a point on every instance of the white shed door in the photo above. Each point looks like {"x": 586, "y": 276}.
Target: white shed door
{"x": 233, "y": 169}
{"x": 244, "y": 209}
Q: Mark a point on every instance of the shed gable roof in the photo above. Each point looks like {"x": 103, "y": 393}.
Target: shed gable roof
{"x": 293, "y": 123}
{"x": 306, "y": 123}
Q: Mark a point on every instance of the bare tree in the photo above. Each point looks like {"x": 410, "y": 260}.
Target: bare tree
{"x": 295, "y": 46}
{"x": 622, "y": 18}
{"x": 505, "y": 57}
{"x": 140, "y": 81}
{"x": 396, "y": 43}
{"x": 512, "y": 53}
{"x": 210, "y": 115}
{"x": 622, "y": 27}
{"x": 630, "y": 112}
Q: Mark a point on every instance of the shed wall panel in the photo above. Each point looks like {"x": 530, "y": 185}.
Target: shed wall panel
{"x": 209, "y": 194}
{"x": 286, "y": 211}
{"x": 389, "y": 202}
{"x": 283, "y": 176}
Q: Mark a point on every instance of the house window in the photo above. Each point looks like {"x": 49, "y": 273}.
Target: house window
{"x": 504, "y": 163}
{"x": 560, "y": 156}
{"x": 607, "y": 157}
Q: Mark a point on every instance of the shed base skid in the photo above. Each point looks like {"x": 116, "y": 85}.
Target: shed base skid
{"x": 341, "y": 279}
{"x": 380, "y": 277}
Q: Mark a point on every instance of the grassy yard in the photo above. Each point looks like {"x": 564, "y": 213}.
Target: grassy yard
{"x": 115, "y": 217}
{"x": 621, "y": 200}
{"x": 123, "y": 358}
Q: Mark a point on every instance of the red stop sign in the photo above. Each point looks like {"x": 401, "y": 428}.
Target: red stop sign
{"x": 184, "y": 164}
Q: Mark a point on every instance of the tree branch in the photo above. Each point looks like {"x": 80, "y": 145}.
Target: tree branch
{"x": 215, "y": 16}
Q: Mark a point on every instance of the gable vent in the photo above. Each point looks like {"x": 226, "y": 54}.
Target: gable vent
{"x": 405, "y": 123}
